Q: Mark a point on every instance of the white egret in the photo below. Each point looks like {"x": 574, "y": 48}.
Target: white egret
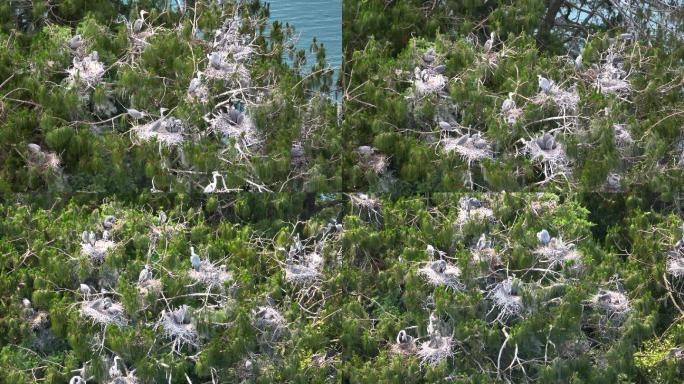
{"x": 145, "y": 274}
{"x": 134, "y": 113}
{"x": 138, "y": 24}
{"x": 489, "y": 44}
{"x": 544, "y": 84}
{"x": 543, "y": 237}
{"x": 75, "y": 42}
{"x": 114, "y": 369}
{"x": 194, "y": 259}
{"x": 508, "y": 104}
{"x": 211, "y": 187}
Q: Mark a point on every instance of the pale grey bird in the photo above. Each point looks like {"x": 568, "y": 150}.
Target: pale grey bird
{"x": 365, "y": 150}
{"x": 84, "y": 290}
{"x": 483, "y": 243}
{"x": 489, "y": 44}
{"x": 403, "y": 337}
{"x": 508, "y": 104}
{"x": 444, "y": 125}
{"x": 94, "y": 56}
{"x": 215, "y": 60}
{"x": 463, "y": 139}
{"x": 162, "y": 217}
{"x": 430, "y": 250}
{"x": 545, "y": 84}
{"x": 26, "y": 303}
{"x": 134, "y": 113}
{"x": 543, "y": 237}
{"x": 84, "y": 237}
{"x": 105, "y": 235}
{"x": 33, "y": 148}
{"x": 235, "y": 117}
{"x": 429, "y": 56}
{"x": 181, "y": 315}
{"x": 194, "y": 259}
{"x": 546, "y": 142}
{"x": 114, "y": 370}
{"x": 438, "y": 266}
{"x": 77, "y": 380}
{"x": 195, "y": 83}
{"x": 479, "y": 142}
{"x": 75, "y": 42}
{"x": 91, "y": 238}
{"x": 440, "y": 69}
{"x": 106, "y": 303}
{"x": 578, "y": 62}
{"x": 145, "y": 274}
{"x": 138, "y": 24}
{"x": 108, "y": 221}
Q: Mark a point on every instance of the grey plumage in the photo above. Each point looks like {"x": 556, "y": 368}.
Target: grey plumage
{"x": 75, "y": 42}
{"x": 215, "y": 60}
{"x": 194, "y": 259}
{"x": 33, "y": 148}
{"x": 108, "y": 222}
{"x": 134, "y": 113}
{"x": 545, "y": 84}
{"x": 543, "y": 237}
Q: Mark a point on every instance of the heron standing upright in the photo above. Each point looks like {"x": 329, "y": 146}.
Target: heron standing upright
{"x": 138, "y": 24}
{"x": 194, "y": 259}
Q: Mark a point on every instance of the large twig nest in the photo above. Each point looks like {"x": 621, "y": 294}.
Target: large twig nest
{"x": 86, "y": 71}
{"x": 545, "y": 150}
{"x": 43, "y": 160}
{"x": 472, "y": 209}
{"x": 166, "y": 130}
{"x": 472, "y": 148}
{"x": 372, "y": 160}
{"x": 506, "y": 299}
{"x": 427, "y": 81}
{"x": 558, "y": 253}
{"x": 177, "y": 326}
{"x": 271, "y": 324}
{"x": 104, "y": 311}
{"x": 441, "y": 273}
{"x": 211, "y": 275}
{"x": 305, "y": 271}
{"x": 435, "y": 350}
{"x": 237, "y": 126}
{"x": 614, "y": 304}
{"x": 98, "y": 250}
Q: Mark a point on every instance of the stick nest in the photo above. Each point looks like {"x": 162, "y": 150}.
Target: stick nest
{"x": 104, "y": 312}
{"x": 306, "y": 271}
{"x": 449, "y": 277}
{"x": 98, "y": 251}
{"x": 177, "y": 326}
{"x": 505, "y": 298}
{"x": 167, "y": 131}
{"x": 471, "y": 148}
{"x": 435, "y": 350}
{"x": 558, "y": 253}
{"x": 210, "y": 275}
{"x": 270, "y": 323}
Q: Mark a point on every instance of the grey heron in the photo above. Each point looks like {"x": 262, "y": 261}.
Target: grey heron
{"x": 545, "y": 84}
{"x": 195, "y": 83}
{"x": 106, "y": 303}
{"x": 108, "y": 222}
{"x": 489, "y": 44}
{"x": 440, "y": 69}
{"x": 479, "y": 142}
{"x": 235, "y": 117}
{"x": 438, "y": 266}
{"x": 33, "y": 148}
{"x": 162, "y": 217}
{"x": 546, "y": 142}
{"x": 194, "y": 259}
{"x": 543, "y": 237}
{"x": 84, "y": 237}
{"x": 483, "y": 243}
{"x": 138, "y": 24}
{"x": 145, "y": 274}
{"x": 444, "y": 125}
{"x": 508, "y": 104}
{"x": 105, "y": 235}
{"x": 365, "y": 150}
{"x": 114, "y": 369}
{"x": 91, "y": 238}
{"x": 462, "y": 140}
{"x": 75, "y": 42}
{"x": 94, "y": 56}
{"x": 134, "y": 113}
{"x": 215, "y": 60}
{"x": 403, "y": 338}
{"x": 430, "y": 250}
{"x": 429, "y": 56}
{"x": 84, "y": 290}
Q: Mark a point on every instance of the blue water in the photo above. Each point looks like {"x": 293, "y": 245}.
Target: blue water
{"x": 321, "y": 19}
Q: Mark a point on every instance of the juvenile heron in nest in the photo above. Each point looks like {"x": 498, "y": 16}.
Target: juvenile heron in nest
{"x": 489, "y": 44}
{"x": 543, "y": 237}
{"x": 508, "y": 104}
{"x": 75, "y": 42}
{"x": 545, "y": 84}
{"x": 194, "y": 259}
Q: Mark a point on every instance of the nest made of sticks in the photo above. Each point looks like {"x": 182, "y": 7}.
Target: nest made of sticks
{"x": 615, "y": 304}
{"x": 103, "y": 311}
{"x": 427, "y": 82}
{"x": 372, "y": 160}
{"x": 547, "y": 151}
{"x": 166, "y": 130}
{"x": 470, "y": 147}
{"x": 442, "y": 273}
{"x": 86, "y": 72}
{"x": 211, "y": 275}
{"x": 435, "y": 350}
{"x": 505, "y": 298}
{"x": 675, "y": 260}
{"x": 512, "y": 115}
{"x": 177, "y": 326}
{"x": 43, "y": 160}
{"x": 405, "y": 348}
{"x": 306, "y": 271}
{"x": 558, "y": 253}
{"x": 472, "y": 209}
{"x": 237, "y": 126}
{"x": 97, "y": 251}
{"x": 368, "y": 207}
{"x": 271, "y": 324}
{"x": 621, "y": 135}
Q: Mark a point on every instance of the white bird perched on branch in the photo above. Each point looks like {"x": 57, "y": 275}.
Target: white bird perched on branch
{"x": 75, "y": 42}
{"x": 194, "y": 259}
{"x": 545, "y": 84}
{"x": 134, "y": 113}
{"x": 211, "y": 187}
{"x": 578, "y": 62}
{"x": 489, "y": 44}
{"x": 508, "y": 104}
{"x": 145, "y": 274}
{"x": 543, "y": 237}
{"x": 84, "y": 290}
{"x": 77, "y": 380}
{"x": 138, "y": 24}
